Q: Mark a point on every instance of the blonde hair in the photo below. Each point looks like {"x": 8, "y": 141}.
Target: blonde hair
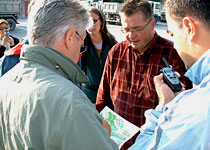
{"x": 3, "y": 21}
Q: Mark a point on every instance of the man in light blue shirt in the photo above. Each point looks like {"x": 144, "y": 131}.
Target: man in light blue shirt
{"x": 181, "y": 121}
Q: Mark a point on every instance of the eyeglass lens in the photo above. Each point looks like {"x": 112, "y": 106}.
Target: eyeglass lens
{"x": 84, "y": 46}
{"x": 123, "y": 30}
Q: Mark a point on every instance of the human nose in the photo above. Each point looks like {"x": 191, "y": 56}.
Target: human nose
{"x": 131, "y": 34}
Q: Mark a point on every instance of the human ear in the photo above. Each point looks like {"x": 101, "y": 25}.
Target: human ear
{"x": 68, "y": 37}
{"x": 190, "y": 28}
{"x": 153, "y": 23}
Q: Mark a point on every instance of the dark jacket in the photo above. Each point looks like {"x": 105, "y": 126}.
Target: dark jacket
{"x": 93, "y": 67}
{"x": 11, "y": 58}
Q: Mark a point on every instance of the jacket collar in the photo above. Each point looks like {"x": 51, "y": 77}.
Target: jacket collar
{"x": 54, "y": 61}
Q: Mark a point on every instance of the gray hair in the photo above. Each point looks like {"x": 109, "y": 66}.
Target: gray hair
{"x": 50, "y": 19}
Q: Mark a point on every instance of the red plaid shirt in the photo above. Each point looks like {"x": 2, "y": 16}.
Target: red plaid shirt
{"x": 127, "y": 84}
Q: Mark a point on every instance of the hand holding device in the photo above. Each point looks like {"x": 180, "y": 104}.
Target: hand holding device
{"x": 170, "y": 78}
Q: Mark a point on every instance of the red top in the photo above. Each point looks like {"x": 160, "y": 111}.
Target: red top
{"x": 127, "y": 82}
{"x": 15, "y": 50}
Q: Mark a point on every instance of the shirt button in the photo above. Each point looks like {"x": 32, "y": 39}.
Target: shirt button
{"x": 14, "y": 78}
{"x": 134, "y": 90}
{"x": 57, "y": 66}
{"x": 137, "y": 73}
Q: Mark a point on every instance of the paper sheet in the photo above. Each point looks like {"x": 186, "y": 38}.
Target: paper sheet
{"x": 122, "y": 130}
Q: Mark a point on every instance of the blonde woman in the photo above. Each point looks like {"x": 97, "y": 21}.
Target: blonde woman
{"x": 6, "y": 41}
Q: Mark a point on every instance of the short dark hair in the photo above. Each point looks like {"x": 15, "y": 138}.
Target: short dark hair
{"x": 130, "y": 7}
{"x": 199, "y": 9}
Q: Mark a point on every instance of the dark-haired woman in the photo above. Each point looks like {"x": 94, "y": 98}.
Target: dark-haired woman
{"x": 99, "y": 42}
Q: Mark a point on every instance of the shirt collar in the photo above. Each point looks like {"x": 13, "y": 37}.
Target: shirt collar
{"x": 200, "y": 69}
{"x": 55, "y": 61}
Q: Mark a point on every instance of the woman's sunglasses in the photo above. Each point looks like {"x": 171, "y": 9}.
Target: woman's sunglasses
{"x": 95, "y": 20}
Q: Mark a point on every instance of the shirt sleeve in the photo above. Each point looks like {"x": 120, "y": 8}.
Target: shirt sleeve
{"x": 16, "y": 41}
{"x": 73, "y": 125}
{"x": 103, "y": 97}
{"x": 8, "y": 63}
{"x": 147, "y": 135}
{"x": 2, "y": 49}
{"x": 87, "y": 132}
{"x": 179, "y": 126}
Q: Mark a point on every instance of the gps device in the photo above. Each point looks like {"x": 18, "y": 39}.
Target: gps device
{"x": 170, "y": 78}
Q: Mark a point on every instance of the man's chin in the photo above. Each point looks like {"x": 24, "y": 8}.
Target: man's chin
{"x": 134, "y": 46}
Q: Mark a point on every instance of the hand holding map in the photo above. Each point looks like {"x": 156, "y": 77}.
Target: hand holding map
{"x": 122, "y": 130}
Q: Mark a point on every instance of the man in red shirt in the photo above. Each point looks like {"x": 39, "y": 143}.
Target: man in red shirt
{"x": 127, "y": 82}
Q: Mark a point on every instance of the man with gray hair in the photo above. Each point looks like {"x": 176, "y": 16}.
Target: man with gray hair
{"x": 41, "y": 106}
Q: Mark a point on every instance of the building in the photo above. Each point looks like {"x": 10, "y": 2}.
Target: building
{"x": 24, "y": 6}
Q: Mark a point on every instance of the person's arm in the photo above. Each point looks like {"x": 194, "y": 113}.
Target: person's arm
{"x": 11, "y": 40}
{"x": 7, "y": 63}
{"x": 2, "y": 50}
{"x": 6, "y": 40}
{"x": 148, "y": 135}
{"x": 147, "y": 132}
{"x": 86, "y": 131}
{"x": 181, "y": 124}
{"x": 69, "y": 121}
{"x": 103, "y": 97}
{"x": 15, "y": 40}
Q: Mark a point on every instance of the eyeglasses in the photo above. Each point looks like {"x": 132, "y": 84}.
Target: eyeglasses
{"x": 84, "y": 46}
{"x": 3, "y": 28}
{"x": 135, "y": 29}
{"x": 95, "y": 20}
{"x": 170, "y": 33}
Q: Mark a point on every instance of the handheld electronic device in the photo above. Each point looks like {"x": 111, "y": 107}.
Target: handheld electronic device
{"x": 6, "y": 32}
{"x": 170, "y": 77}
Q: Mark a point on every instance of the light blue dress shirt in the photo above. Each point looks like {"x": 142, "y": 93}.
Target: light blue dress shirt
{"x": 184, "y": 123}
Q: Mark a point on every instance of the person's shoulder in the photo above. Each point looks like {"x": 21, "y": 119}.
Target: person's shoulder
{"x": 9, "y": 61}
{"x": 14, "y": 38}
{"x": 62, "y": 95}
{"x": 164, "y": 42}
{"x": 58, "y": 86}
{"x": 66, "y": 93}
{"x": 123, "y": 43}
{"x": 120, "y": 46}
{"x": 118, "y": 49}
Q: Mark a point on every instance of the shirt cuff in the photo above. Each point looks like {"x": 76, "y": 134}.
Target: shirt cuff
{"x": 161, "y": 108}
